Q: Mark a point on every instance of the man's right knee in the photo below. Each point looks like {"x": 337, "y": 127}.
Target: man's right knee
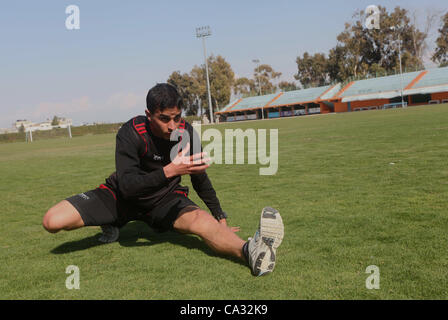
{"x": 62, "y": 216}
{"x": 50, "y": 221}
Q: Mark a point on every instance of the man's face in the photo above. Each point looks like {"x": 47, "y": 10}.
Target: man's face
{"x": 163, "y": 123}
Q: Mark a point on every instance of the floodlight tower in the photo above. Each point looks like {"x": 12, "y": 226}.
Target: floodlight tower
{"x": 257, "y": 62}
{"x": 203, "y": 32}
{"x": 399, "y": 58}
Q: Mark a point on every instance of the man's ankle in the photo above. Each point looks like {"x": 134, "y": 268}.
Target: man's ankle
{"x": 245, "y": 251}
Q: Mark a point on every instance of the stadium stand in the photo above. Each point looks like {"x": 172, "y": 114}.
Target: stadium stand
{"x": 409, "y": 89}
{"x": 254, "y": 102}
{"x": 433, "y": 78}
{"x": 433, "y": 86}
{"x": 377, "y": 88}
{"x": 299, "y": 96}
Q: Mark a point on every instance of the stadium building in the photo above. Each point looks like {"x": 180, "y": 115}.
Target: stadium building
{"x": 419, "y": 88}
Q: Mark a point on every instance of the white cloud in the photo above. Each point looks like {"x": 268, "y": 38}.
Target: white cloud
{"x": 124, "y": 101}
{"x": 48, "y": 109}
{"x": 116, "y": 107}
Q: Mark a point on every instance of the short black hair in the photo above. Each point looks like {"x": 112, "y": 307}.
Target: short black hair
{"x": 163, "y": 96}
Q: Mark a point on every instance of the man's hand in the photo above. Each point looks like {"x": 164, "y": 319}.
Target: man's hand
{"x": 182, "y": 164}
{"x": 233, "y": 229}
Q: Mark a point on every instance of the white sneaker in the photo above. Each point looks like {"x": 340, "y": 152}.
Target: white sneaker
{"x": 262, "y": 247}
{"x": 110, "y": 234}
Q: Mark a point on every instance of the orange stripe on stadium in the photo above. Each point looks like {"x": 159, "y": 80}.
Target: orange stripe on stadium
{"x": 344, "y": 89}
{"x": 233, "y": 105}
{"x": 275, "y": 98}
{"x": 417, "y": 79}
{"x": 318, "y": 98}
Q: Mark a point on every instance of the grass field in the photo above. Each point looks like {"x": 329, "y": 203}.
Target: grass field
{"x": 354, "y": 189}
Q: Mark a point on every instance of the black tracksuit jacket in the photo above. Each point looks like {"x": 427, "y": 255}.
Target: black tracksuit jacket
{"x": 139, "y": 159}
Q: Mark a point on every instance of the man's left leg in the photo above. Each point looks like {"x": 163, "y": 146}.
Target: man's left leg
{"x": 217, "y": 236}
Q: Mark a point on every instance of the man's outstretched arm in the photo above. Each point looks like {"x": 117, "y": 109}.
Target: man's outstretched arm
{"x": 203, "y": 187}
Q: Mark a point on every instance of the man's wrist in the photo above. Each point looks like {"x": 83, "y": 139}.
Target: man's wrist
{"x": 169, "y": 171}
{"x": 221, "y": 215}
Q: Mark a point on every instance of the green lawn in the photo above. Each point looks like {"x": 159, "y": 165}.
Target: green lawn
{"x": 354, "y": 189}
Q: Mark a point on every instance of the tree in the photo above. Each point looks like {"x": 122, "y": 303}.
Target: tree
{"x": 263, "y": 82}
{"x": 440, "y": 55}
{"x": 265, "y": 75}
{"x": 356, "y": 48}
{"x": 413, "y": 40}
{"x": 337, "y": 66}
{"x": 198, "y": 74}
{"x": 55, "y": 121}
{"x": 419, "y": 38}
{"x": 245, "y": 87}
{"x": 221, "y": 78}
{"x": 287, "y": 86}
{"x": 367, "y": 51}
{"x": 188, "y": 89}
{"x": 361, "y": 52}
{"x": 312, "y": 70}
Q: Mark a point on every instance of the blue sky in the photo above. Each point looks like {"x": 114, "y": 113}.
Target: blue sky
{"x": 103, "y": 71}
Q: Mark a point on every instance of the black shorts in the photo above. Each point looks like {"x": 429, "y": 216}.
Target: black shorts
{"x": 101, "y": 207}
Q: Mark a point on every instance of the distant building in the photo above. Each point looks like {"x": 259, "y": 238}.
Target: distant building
{"x": 64, "y": 123}
{"x": 42, "y": 126}
{"x": 25, "y": 123}
{"x": 8, "y": 130}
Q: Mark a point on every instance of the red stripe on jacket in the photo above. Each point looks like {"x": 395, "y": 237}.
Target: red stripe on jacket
{"x": 141, "y": 130}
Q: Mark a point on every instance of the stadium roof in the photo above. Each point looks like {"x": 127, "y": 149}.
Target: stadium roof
{"x": 431, "y": 81}
{"x": 331, "y": 93}
{"x": 281, "y": 99}
{"x": 300, "y": 96}
{"x": 248, "y": 103}
{"x": 433, "y": 77}
{"x": 377, "y": 88}
{"x": 419, "y": 82}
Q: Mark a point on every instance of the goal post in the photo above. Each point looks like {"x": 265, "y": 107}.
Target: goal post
{"x": 46, "y": 134}
{"x": 69, "y": 131}
{"x": 29, "y": 135}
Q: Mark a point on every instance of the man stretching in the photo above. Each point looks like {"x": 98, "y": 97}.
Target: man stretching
{"x": 152, "y": 153}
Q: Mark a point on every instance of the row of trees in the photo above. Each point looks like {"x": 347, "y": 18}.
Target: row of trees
{"x": 193, "y": 87}
{"x": 441, "y": 53}
{"x": 359, "y": 53}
